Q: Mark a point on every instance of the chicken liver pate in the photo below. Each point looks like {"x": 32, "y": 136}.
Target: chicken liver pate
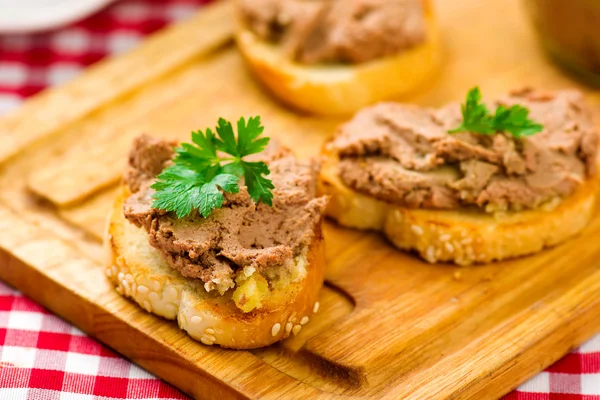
{"x": 240, "y": 235}
{"x": 404, "y": 155}
{"x": 349, "y": 31}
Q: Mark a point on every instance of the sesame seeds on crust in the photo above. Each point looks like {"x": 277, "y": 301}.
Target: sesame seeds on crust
{"x": 275, "y": 329}
{"x": 172, "y": 302}
{"x": 459, "y": 236}
{"x": 139, "y": 273}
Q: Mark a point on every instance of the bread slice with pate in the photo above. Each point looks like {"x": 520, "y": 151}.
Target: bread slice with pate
{"x": 245, "y": 277}
{"x": 465, "y": 198}
{"x": 336, "y": 56}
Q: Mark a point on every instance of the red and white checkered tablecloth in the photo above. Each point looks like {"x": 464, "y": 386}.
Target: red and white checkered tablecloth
{"x": 44, "y": 358}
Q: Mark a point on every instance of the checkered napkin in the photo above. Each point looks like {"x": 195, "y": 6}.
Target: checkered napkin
{"x": 44, "y": 358}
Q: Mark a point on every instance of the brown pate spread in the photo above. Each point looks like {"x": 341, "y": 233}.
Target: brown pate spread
{"x": 349, "y": 31}
{"x": 240, "y": 234}
{"x": 404, "y": 155}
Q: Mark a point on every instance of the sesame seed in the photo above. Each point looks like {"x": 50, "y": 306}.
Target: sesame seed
{"x": 445, "y": 237}
{"x": 121, "y": 276}
{"x": 211, "y": 338}
{"x": 275, "y": 329}
{"x": 157, "y": 285}
{"x": 304, "y": 320}
{"x": 296, "y": 329}
{"x": 466, "y": 241}
{"x": 206, "y": 341}
{"x": 417, "y": 229}
{"x": 288, "y": 327}
{"x": 147, "y": 306}
{"x": 449, "y": 247}
{"x": 126, "y": 287}
{"x": 134, "y": 288}
{"x": 196, "y": 319}
{"x": 109, "y": 272}
{"x": 143, "y": 289}
{"x": 316, "y": 307}
{"x": 153, "y": 295}
{"x": 430, "y": 254}
{"x": 129, "y": 277}
{"x": 209, "y": 331}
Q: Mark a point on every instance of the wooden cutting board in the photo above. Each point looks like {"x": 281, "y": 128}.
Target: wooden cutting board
{"x": 389, "y": 326}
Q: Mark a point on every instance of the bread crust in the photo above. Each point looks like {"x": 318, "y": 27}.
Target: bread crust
{"x": 140, "y": 273}
{"x": 342, "y": 89}
{"x": 463, "y": 237}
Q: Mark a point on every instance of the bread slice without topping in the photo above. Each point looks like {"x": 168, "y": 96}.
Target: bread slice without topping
{"x": 139, "y": 272}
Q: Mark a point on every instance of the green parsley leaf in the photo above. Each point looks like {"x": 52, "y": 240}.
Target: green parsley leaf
{"x": 515, "y": 121}
{"x": 248, "y": 141}
{"x": 477, "y": 118}
{"x": 178, "y": 190}
{"x": 227, "y": 143}
{"x": 200, "y": 156}
{"x": 258, "y": 186}
{"x": 199, "y": 175}
{"x": 211, "y": 198}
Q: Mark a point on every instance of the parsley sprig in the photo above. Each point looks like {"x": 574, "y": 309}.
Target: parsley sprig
{"x": 200, "y": 173}
{"x": 477, "y": 118}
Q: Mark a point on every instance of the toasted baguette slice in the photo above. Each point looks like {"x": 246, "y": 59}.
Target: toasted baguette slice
{"x": 139, "y": 272}
{"x": 341, "y": 89}
{"x": 463, "y": 237}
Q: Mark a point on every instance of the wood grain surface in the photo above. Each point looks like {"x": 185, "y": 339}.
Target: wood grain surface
{"x": 389, "y": 326}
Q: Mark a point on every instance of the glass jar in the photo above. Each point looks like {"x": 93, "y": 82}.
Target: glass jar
{"x": 570, "y": 32}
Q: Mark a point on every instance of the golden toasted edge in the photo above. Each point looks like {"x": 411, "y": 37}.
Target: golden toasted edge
{"x": 461, "y": 237}
{"x": 140, "y": 273}
{"x": 341, "y": 89}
